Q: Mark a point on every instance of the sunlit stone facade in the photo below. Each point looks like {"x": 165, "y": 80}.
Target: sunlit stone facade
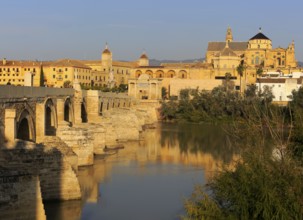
{"x": 220, "y": 58}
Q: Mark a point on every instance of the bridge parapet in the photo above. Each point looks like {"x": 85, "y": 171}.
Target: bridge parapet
{"x": 15, "y": 92}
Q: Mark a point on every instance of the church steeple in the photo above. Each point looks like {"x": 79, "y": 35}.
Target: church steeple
{"x": 229, "y": 35}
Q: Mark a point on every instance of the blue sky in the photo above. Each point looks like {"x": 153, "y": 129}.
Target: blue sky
{"x": 165, "y": 29}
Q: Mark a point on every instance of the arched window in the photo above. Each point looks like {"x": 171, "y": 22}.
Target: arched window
{"x": 257, "y": 60}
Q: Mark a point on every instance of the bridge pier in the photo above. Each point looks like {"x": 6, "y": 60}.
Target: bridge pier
{"x": 10, "y": 126}
{"x": 40, "y": 122}
{"x": 92, "y": 106}
{"x": 60, "y": 111}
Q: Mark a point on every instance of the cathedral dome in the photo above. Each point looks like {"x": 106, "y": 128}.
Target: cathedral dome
{"x": 259, "y": 36}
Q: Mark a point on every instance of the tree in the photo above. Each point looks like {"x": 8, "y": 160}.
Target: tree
{"x": 240, "y": 70}
{"x": 41, "y": 76}
{"x": 164, "y": 92}
{"x": 67, "y": 84}
{"x": 228, "y": 84}
{"x": 261, "y": 185}
{"x": 259, "y": 70}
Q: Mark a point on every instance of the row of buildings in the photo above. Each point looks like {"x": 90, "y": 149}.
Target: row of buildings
{"x": 146, "y": 81}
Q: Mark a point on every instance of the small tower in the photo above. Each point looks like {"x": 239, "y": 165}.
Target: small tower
{"x": 290, "y": 55}
{"x": 106, "y": 58}
{"x": 229, "y": 35}
{"x": 144, "y": 61}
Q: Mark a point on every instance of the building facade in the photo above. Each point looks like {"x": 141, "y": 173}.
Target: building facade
{"x": 221, "y": 58}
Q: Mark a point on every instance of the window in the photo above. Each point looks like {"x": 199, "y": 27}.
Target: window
{"x": 17, "y": 70}
{"x": 54, "y": 69}
{"x": 65, "y": 76}
{"x": 65, "y": 69}
{"x": 257, "y": 60}
{"x": 54, "y": 76}
{"x": 34, "y": 70}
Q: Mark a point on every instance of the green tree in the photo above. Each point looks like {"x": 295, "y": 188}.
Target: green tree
{"x": 164, "y": 92}
{"x": 41, "y": 76}
{"x": 240, "y": 71}
{"x": 261, "y": 185}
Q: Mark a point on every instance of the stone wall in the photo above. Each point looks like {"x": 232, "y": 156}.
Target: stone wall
{"x": 56, "y": 174}
{"x": 20, "y": 195}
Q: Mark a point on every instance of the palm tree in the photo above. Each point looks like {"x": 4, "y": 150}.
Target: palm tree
{"x": 41, "y": 76}
{"x": 240, "y": 70}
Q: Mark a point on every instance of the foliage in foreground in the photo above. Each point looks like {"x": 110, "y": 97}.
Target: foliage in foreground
{"x": 267, "y": 182}
{"x": 257, "y": 188}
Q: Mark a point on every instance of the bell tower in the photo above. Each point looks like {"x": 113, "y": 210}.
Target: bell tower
{"x": 229, "y": 35}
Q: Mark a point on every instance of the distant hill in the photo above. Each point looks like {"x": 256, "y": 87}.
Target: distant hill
{"x": 155, "y": 62}
{"x": 300, "y": 63}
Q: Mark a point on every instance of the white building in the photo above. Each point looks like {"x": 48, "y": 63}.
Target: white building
{"x": 281, "y": 86}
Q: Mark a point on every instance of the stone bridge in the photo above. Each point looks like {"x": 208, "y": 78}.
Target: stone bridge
{"x": 47, "y": 133}
{"x": 31, "y": 113}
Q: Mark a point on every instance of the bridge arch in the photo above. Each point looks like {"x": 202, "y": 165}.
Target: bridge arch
{"x": 51, "y": 122}
{"x": 25, "y": 126}
{"x": 84, "y": 111}
{"x": 68, "y": 110}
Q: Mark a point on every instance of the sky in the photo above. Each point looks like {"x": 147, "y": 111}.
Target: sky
{"x": 164, "y": 29}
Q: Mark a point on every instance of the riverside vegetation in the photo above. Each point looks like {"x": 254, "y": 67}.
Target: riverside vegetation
{"x": 266, "y": 183}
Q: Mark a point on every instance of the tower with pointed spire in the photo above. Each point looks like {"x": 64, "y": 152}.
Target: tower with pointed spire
{"x": 229, "y": 35}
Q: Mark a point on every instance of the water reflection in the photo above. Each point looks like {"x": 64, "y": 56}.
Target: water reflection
{"x": 149, "y": 179}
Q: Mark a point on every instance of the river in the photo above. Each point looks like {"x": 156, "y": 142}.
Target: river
{"x": 151, "y": 178}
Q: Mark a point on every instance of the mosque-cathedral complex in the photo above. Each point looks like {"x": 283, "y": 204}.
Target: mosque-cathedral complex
{"x": 220, "y": 58}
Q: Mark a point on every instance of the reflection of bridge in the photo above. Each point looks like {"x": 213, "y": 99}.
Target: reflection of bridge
{"x": 31, "y": 113}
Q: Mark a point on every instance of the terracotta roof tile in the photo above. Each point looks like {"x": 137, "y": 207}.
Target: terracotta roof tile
{"x": 235, "y": 46}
